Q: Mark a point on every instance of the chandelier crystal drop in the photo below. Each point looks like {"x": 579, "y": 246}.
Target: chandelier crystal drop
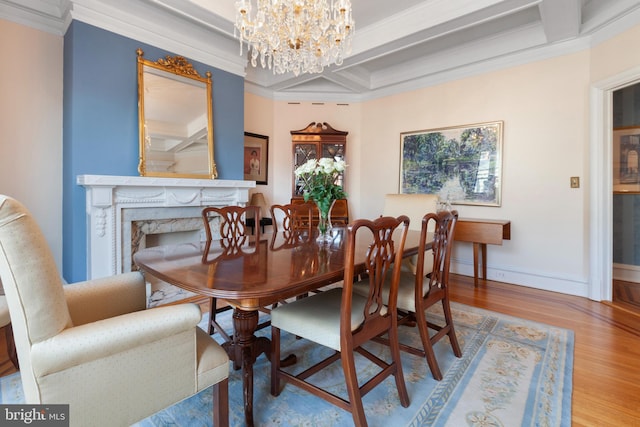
{"x": 299, "y": 36}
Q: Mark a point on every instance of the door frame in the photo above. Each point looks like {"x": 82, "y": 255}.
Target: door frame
{"x": 601, "y": 182}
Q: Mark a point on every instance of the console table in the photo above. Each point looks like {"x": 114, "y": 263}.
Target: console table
{"x": 481, "y": 232}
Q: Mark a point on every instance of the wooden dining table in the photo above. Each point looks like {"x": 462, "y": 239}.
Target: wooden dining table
{"x": 262, "y": 271}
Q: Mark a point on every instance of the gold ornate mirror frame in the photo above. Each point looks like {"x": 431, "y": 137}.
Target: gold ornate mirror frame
{"x": 176, "y": 133}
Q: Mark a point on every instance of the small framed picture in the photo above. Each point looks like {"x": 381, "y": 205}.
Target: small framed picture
{"x": 256, "y": 157}
{"x": 626, "y": 155}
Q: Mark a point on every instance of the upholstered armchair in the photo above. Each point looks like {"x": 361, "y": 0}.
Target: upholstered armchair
{"x": 94, "y": 345}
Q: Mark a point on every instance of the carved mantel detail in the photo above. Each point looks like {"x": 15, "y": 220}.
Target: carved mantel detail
{"x": 114, "y": 202}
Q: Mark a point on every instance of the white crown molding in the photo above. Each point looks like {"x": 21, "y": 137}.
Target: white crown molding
{"x": 191, "y": 11}
{"x": 395, "y": 81}
{"x": 436, "y": 17}
{"x": 450, "y": 67}
{"x": 41, "y": 15}
{"x": 326, "y": 95}
{"x": 478, "y": 51}
{"x": 605, "y": 31}
{"x": 202, "y": 30}
{"x": 480, "y": 67}
{"x": 150, "y": 25}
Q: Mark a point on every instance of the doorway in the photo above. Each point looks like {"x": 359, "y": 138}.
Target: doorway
{"x": 601, "y": 183}
{"x": 626, "y": 197}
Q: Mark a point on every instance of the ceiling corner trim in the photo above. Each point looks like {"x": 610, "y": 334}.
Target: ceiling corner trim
{"x": 49, "y": 20}
{"x": 163, "y": 37}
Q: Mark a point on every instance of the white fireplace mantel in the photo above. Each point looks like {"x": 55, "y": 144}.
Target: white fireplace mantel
{"x": 111, "y": 201}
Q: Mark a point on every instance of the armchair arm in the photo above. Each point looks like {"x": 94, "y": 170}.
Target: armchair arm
{"x": 82, "y": 344}
{"x": 106, "y": 297}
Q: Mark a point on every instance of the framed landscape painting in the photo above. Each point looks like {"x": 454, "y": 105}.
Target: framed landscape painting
{"x": 461, "y": 164}
{"x": 256, "y": 149}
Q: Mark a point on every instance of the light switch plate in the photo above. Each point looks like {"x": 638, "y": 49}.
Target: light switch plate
{"x": 575, "y": 182}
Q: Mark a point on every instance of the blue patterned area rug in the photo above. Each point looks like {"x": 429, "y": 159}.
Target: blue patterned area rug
{"x": 513, "y": 372}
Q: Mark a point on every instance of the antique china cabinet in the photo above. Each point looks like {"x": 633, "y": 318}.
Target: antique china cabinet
{"x": 315, "y": 141}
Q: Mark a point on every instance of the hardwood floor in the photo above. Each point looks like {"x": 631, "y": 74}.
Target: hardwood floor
{"x": 606, "y": 373}
{"x": 627, "y": 295}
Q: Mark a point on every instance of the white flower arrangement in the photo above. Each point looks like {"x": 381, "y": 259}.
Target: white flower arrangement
{"x": 319, "y": 177}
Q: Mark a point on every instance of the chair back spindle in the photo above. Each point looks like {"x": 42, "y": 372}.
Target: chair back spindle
{"x": 442, "y": 247}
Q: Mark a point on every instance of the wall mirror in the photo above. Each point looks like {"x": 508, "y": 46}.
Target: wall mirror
{"x": 175, "y": 117}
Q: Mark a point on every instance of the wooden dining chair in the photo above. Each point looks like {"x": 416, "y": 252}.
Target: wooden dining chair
{"x": 418, "y": 292}
{"x": 291, "y": 224}
{"x": 414, "y": 206}
{"x": 292, "y": 216}
{"x": 344, "y": 321}
{"x": 233, "y": 232}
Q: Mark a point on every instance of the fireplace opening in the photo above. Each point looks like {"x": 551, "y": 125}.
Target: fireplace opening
{"x": 172, "y": 238}
{"x": 158, "y": 291}
{"x": 158, "y": 232}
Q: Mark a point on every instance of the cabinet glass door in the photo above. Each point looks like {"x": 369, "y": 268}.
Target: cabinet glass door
{"x": 302, "y": 153}
{"x": 336, "y": 152}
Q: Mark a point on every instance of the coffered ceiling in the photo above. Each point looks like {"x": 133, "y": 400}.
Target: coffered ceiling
{"x": 398, "y": 45}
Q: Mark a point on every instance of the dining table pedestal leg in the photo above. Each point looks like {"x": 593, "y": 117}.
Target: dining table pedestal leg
{"x": 243, "y": 351}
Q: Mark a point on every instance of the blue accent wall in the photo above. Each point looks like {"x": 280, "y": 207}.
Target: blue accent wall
{"x": 100, "y": 123}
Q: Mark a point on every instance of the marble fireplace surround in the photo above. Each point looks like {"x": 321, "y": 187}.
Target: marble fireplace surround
{"x": 121, "y": 210}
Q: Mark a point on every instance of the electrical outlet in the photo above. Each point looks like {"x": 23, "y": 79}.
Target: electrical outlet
{"x": 575, "y": 182}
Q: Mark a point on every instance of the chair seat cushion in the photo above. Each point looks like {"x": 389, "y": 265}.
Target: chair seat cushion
{"x": 212, "y": 360}
{"x": 410, "y": 264}
{"x": 406, "y": 290}
{"x": 317, "y": 318}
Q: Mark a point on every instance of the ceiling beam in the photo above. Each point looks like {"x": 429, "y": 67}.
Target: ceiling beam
{"x": 561, "y": 19}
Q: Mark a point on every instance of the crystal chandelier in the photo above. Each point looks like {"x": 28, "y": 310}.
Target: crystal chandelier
{"x": 301, "y": 36}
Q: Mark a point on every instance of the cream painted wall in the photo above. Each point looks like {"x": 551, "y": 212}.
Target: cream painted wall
{"x": 544, "y": 106}
{"x": 31, "y": 124}
{"x": 278, "y": 119}
{"x": 259, "y": 119}
{"x": 616, "y": 55}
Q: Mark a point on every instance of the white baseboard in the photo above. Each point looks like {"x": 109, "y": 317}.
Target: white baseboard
{"x": 627, "y": 273}
{"x": 536, "y": 280}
